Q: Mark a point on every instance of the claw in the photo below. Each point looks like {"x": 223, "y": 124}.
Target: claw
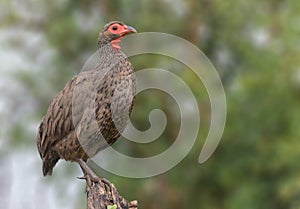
{"x": 89, "y": 175}
{"x": 82, "y": 177}
{"x": 104, "y": 180}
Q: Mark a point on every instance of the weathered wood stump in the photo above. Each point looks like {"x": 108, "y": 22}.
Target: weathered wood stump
{"x": 101, "y": 194}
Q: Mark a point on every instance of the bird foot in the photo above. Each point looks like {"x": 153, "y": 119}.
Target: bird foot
{"x": 105, "y": 181}
{"x": 89, "y": 175}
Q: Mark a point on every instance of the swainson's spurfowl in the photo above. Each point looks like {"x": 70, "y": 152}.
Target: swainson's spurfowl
{"x": 92, "y": 110}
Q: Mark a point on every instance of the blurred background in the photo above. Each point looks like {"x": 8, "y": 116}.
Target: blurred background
{"x": 255, "y": 47}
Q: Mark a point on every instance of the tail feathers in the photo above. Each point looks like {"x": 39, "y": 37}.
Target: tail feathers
{"x": 49, "y": 162}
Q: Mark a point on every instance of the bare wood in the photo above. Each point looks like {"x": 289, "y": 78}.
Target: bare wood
{"x": 101, "y": 194}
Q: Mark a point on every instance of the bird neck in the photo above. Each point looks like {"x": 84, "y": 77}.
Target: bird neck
{"x": 110, "y": 56}
{"x": 108, "y": 48}
{"x": 103, "y": 41}
{"x": 116, "y": 43}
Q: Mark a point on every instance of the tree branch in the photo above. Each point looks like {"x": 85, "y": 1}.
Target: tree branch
{"x": 101, "y": 194}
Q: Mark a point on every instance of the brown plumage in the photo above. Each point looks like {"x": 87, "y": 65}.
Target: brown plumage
{"x": 92, "y": 110}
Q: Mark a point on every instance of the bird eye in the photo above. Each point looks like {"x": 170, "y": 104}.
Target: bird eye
{"x": 115, "y": 27}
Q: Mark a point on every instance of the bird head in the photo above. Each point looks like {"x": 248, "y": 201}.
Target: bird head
{"x": 113, "y": 32}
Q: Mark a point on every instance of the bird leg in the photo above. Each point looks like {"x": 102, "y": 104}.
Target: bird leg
{"x": 89, "y": 175}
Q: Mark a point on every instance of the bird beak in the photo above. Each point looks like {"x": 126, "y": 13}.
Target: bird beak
{"x": 130, "y": 29}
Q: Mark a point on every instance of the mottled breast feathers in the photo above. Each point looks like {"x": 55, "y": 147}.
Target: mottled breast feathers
{"x": 84, "y": 109}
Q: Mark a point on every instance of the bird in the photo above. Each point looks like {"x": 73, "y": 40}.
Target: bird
{"x": 93, "y": 108}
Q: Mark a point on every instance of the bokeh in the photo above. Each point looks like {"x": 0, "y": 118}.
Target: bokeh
{"x": 254, "y": 45}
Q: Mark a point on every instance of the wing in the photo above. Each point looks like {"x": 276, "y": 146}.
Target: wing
{"x": 59, "y": 121}
{"x": 55, "y": 125}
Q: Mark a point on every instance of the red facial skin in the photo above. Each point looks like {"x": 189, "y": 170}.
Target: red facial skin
{"x": 121, "y": 31}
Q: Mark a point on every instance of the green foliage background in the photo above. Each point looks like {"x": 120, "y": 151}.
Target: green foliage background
{"x": 254, "y": 45}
